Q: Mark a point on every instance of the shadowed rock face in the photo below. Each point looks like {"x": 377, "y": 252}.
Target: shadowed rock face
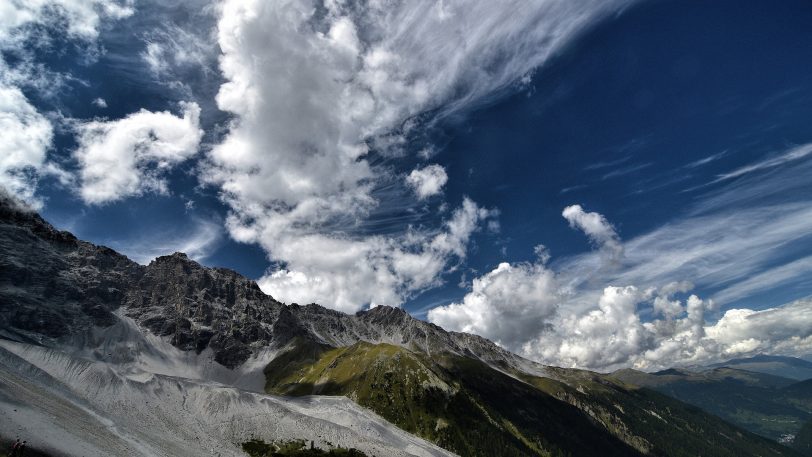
{"x": 54, "y": 286}
{"x": 51, "y": 284}
{"x": 199, "y": 307}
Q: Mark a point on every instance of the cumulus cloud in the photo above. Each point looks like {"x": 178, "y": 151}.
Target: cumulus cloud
{"x": 597, "y": 229}
{"x": 613, "y": 335}
{"x": 27, "y": 137}
{"x": 504, "y": 305}
{"x": 785, "y": 329}
{"x": 130, "y": 156}
{"x": 348, "y": 273}
{"x": 27, "y": 133}
{"x": 315, "y": 91}
{"x": 643, "y": 317}
{"x": 427, "y": 181}
{"x": 519, "y": 306}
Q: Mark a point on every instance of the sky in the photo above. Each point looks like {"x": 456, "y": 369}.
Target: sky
{"x": 592, "y": 184}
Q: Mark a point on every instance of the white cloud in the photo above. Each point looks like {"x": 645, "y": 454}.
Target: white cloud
{"x": 640, "y": 316}
{"x": 28, "y": 134}
{"x": 100, "y": 102}
{"x": 520, "y": 306}
{"x": 427, "y": 181}
{"x": 791, "y": 155}
{"x": 785, "y": 329}
{"x": 130, "y": 156}
{"x": 27, "y": 137}
{"x": 597, "y": 228}
{"x": 768, "y": 278}
{"x": 197, "y": 242}
{"x": 313, "y": 89}
{"x": 614, "y": 335}
{"x": 173, "y": 49}
{"x": 154, "y": 58}
{"x": 504, "y": 305}
{"x": 706, "y": 160}
{"x": 347, "y": 273}
{"x": 82, "y": 17}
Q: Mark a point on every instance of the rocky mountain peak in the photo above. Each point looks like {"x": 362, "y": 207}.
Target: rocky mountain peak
{"x": 53, "y": 286}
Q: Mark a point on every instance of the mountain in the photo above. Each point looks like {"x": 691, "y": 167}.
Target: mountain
{"x": 787, "y": 367}
{"x": 765, "y": 404}
{"x": 803, "y": 440}
{"x": 102, "y": 356}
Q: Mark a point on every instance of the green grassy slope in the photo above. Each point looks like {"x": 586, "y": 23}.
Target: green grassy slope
{"x": 468, "y": 407}
{"x": 457, "y": 403}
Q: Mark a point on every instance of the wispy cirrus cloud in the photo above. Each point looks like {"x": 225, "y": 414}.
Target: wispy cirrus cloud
{"x": 790, "y": 155}
{"x": 625, "y": 171}
{"x": 198, "y": 241}
{"x": 706, "y": 160}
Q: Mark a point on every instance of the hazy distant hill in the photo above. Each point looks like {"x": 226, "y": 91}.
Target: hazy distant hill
{"x": 787, "y": 367}
{"x": 766, "y": 404}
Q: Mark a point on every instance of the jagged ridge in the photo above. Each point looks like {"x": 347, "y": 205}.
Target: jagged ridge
{"x": 60, "y": 292}
{"x": 73, "y": 285}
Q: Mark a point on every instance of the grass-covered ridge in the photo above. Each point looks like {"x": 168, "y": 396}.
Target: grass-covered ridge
{"x": 468, "y": 407}
{"x": 469, "y": 414}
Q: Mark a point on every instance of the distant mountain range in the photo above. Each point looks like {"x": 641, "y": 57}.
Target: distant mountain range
{"x": 787, "y": 367}
{"x": 772, "y": 406}
{"x": 101, "y": 356}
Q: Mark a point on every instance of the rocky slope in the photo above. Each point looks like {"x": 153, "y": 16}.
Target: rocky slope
{"x": 109, "y": 336}
{"x": 66, "y": 405}
{"x": 55, "y": 286}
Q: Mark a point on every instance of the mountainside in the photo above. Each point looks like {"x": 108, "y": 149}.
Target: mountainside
{"x": 803, "y": 440}
{"x": 73, "y": 406}
{"x": 456, "y": 402}
{"x": 787, "y": 367}
{"x": 769, "y": 405}
{"x": 160, "y": 357}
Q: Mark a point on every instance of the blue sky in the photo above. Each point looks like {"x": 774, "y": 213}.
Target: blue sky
{"x": 420, "y": 155}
